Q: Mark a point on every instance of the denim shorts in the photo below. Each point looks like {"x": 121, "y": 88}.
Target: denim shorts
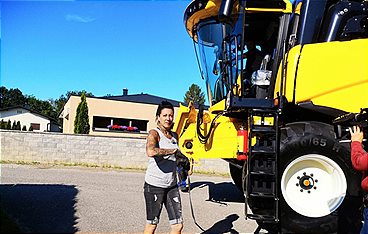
{"x": 156, "y": 197}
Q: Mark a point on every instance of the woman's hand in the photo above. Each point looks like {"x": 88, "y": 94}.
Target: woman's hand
{"x": 356, "y": 134}
{"x": 190, "y": 172}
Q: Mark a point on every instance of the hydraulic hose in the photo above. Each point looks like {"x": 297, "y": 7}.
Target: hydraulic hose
{"x": 191, "y": 207}
{"x": 204, "y": 138}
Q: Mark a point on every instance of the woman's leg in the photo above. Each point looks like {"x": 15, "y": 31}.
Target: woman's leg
{"x": 173, "y": 207}
{"x": 154, "y": 198}
{"x": 150, "y": 228}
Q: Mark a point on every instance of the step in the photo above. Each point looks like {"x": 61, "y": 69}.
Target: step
{"x": 262, "y": 185}
{"x": 263, "y": 195}
{"x": 265, "y": 218}
{"x": 262, "y": 164}
{"x": 263, "y": 129}
{"x": 266, "y": 111}
{"x": 260, "y": 173}
{"x": 263, "y": 150}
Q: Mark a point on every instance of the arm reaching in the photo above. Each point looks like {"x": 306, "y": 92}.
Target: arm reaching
{"x": 152, "y": 148}
{"x": 359, "y": 158}
{"x": 186, "y": 161}
{"x": 356, "y": 134}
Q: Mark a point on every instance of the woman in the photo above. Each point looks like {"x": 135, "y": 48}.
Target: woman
{"x": 160, "y": 187}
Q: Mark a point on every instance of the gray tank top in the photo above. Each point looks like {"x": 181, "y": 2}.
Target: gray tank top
{"x": 161, "y": 170}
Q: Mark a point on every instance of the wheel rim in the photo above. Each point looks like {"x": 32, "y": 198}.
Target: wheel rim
{"x": 313, "y": 185}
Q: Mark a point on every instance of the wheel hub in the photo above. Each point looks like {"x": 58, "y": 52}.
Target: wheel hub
{"x": 306, "y": 182}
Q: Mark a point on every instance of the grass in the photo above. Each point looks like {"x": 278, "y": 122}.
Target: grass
{"x": 102, "y": 166}
{"x": 7, "y": 225}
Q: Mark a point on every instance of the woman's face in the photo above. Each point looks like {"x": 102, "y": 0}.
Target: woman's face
{"x": 166, "y": 118}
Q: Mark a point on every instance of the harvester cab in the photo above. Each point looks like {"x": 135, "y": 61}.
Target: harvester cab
{"x": 232, "y": 43}
{"x": 282, "y": 81}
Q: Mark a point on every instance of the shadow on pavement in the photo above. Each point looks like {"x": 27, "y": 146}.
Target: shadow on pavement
{"x": 220, "y": 192}
{"x": 40, "y": 208}
{"x": 223, "y": 226}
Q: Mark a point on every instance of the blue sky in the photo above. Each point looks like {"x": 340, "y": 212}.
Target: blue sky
{"x": 51, "y": 47}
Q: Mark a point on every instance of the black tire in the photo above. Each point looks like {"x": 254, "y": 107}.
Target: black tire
{"x": 236, "y": 175}
{"x": 303, "y": 138}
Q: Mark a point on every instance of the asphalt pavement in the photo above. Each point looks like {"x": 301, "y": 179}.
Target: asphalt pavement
{"x": 49, "y": 199}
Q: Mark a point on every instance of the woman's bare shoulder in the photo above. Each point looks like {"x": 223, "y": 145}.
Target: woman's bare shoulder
{"x": 153, "y": 134}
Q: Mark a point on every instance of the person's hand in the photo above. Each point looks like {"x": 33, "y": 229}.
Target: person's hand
{"x": 190, "y": 172}
{"x": 356, "y": 134}
{"x": 179, "y": 154}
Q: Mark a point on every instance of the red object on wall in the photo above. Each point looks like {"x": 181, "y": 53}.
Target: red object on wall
{"x": 242, "y": 144}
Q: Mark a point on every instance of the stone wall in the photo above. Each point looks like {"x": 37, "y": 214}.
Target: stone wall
{"x": 46, "y": 147}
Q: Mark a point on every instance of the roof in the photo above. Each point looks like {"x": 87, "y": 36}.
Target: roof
{"x": 136, "y": 98}
{"x": 28, "y": 109}
{"x": 142, "y": 98}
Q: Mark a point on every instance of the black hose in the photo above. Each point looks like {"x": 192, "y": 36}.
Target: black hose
{"x": 204, "y": 138}
{"x": 191, "y": 207}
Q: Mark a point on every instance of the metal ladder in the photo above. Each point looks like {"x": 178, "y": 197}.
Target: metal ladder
{"x": 262, "y": 170}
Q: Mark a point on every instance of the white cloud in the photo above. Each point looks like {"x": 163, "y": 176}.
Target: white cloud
{"x": 78, "y": 18}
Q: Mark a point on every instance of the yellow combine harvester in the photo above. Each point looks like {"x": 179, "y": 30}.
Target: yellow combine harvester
{"x": 284, "y": 82}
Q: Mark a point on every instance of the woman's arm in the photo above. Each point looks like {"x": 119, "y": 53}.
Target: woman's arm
{"x": 152, "y": 148}
{"x": 359, "y": 157}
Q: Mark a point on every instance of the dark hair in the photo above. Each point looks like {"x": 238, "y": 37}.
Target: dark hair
{"x": 164, "y": 105}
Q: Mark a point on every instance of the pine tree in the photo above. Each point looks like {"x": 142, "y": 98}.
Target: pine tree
{"x": 30, "y": 128}
{"x": 2, "y": 124}
{"x": 14, "y": 126}
{"x": 8, "y": 125}
{"x": 81, "y": 122}
{"x": 18, "y": 126}
{"x": 24, "y": 128}
{"x": 195, "y": 95}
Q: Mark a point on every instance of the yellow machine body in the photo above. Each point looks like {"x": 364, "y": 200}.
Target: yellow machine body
{"x": 329, "y": 74}
{"x": 222, "y": 142}
{"x": 332, "y": 74}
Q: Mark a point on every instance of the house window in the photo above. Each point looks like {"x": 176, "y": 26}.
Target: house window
{"x": 101, "y": 122}
{"x": 119, "y": 124}
{"x": 140, "y": 124}
{"x": 19, "y": 112}
{"x": 35, "y": 126}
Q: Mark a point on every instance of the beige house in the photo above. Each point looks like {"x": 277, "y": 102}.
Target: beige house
{"x": 125, "y": 115}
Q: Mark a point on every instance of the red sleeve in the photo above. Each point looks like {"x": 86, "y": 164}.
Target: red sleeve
{"x": 364, "y": 183}
{"x": 359, "y": 157}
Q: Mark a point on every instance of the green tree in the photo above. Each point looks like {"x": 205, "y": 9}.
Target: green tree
{"x": 43, "y": 107}
{"x": 195, "y": 95}
{"x": 30, "y": 128}
{"x": 18, "y": 126}
{"x": 24, "y": 128}
{"x": 8, "y": 125}
{"x": 59, "y": 103}
{"x": 81, "y": 122}
{"x": 14, "y": 126}
{"x": 11, "y": 97}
